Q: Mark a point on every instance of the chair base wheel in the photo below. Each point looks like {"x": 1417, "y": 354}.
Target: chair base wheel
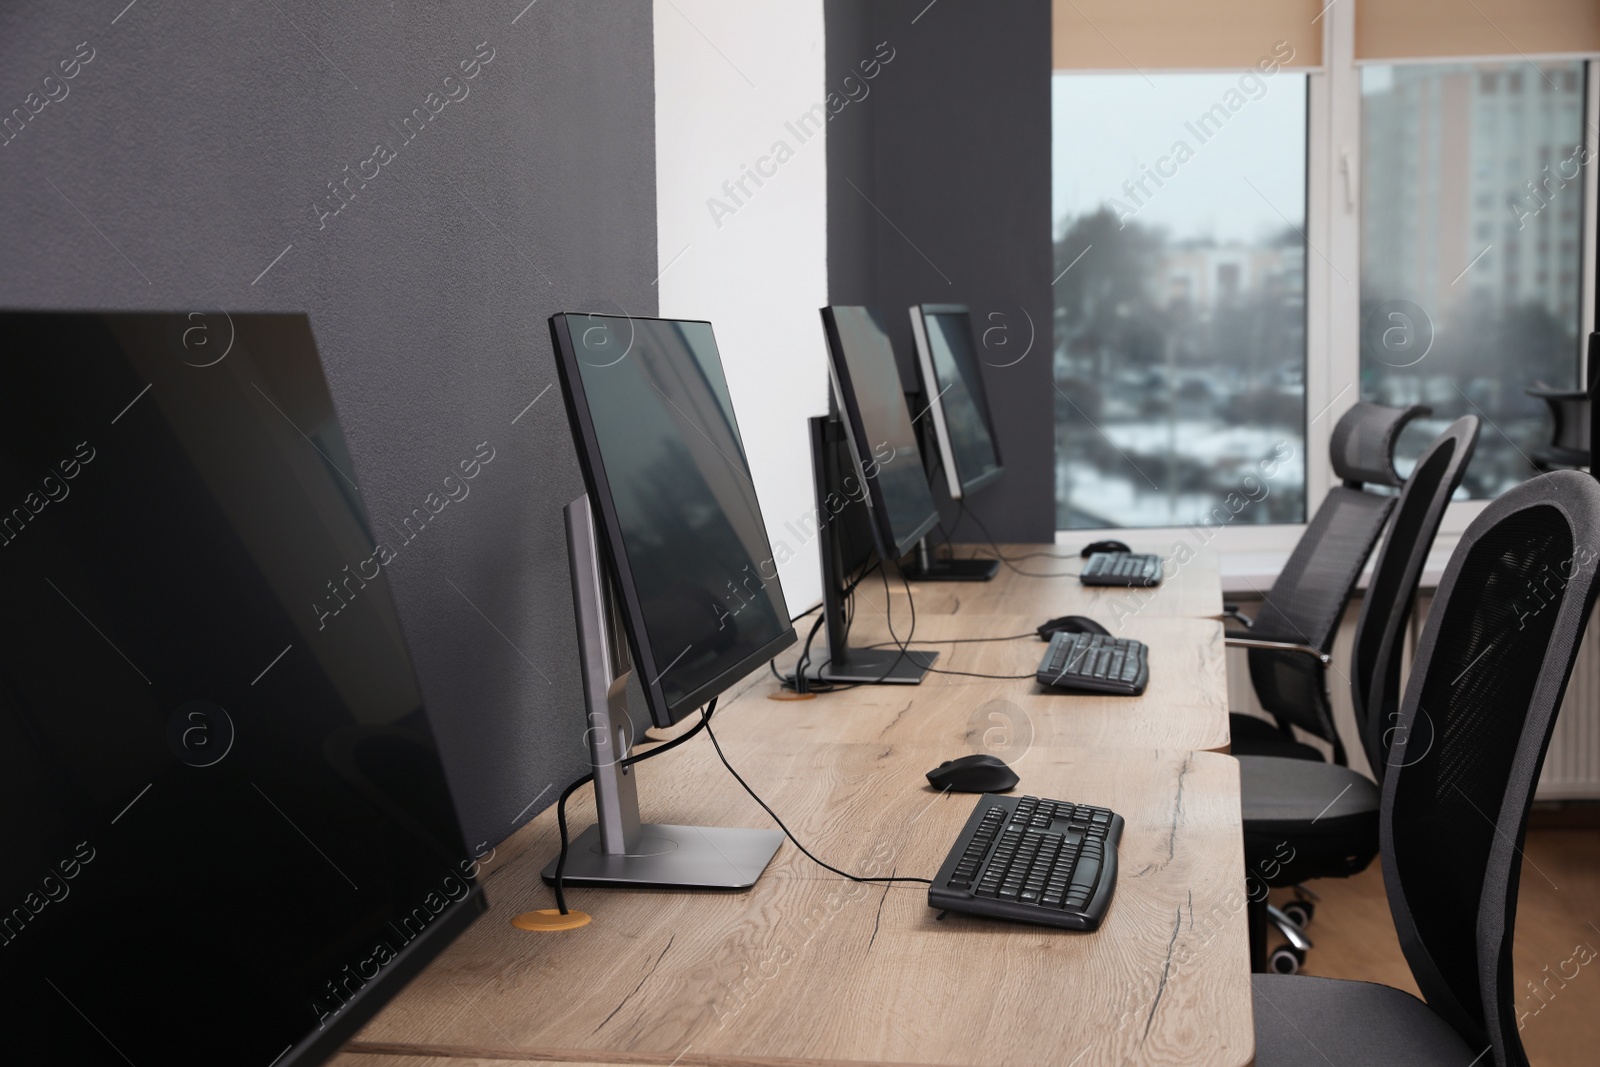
{"x": 1300, "y": 912}
{"x": 1286, "y": 959}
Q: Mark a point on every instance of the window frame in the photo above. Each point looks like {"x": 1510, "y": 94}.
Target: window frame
{"x": 1251, "y": 555}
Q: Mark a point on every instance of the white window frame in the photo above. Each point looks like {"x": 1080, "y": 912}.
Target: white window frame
{"x": 1252, "y": 555}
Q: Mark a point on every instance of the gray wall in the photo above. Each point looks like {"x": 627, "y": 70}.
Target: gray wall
{"x": 949, "y": 156}
{"x": 196, "y": 141}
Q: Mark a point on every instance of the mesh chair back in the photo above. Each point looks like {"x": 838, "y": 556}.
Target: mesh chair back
{"x": 1307, "y": 601}
{"x": 1361, "y": 446}
{"x": 1386, "y": 608}
{"x": 1491, "y": 670}
{"x": 1569, "y": 442}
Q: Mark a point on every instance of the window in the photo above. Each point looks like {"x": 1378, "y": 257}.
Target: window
{"x": 1470, "y": 250}
{"x": 1180, "y": 338}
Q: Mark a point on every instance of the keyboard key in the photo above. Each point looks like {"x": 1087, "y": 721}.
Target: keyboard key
{"x": 1087, "y": 871}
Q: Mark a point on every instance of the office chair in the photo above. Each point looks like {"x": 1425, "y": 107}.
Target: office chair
{"x": 1291, "y": 637}
{"x": 1569, "y": 444}
{"x": 1291, "y": 833}
{"x": 1491, "y": 670}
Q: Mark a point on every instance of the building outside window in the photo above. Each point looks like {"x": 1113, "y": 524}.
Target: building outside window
{"x": 1471, "y": 227}
{"x": 1180, "y": 298}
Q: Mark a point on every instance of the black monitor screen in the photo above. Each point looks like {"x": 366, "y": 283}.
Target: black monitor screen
{"x": 867, "y": 387}
{"x": 953, "y": 384}
{"x": 226, "y": 829}
{"x": 667, "y": 473}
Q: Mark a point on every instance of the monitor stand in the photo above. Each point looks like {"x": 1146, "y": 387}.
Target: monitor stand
{"x": 929, "y": 568}
{"x": 837, "y": 661}
{"x": 619, "y": 850}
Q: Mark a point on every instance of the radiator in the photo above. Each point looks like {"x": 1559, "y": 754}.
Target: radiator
{"x": 1572, "y": 765}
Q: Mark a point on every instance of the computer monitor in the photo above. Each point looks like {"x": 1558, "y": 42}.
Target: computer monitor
{"x": 668, "y": 547}
{"x": 879, "y": 431}
{"x": 845, "y": 550}
{"x": 954, "y": 424}
{"x": 227, "y": 832}
{"x": 667, "y": 476}
{"x": 957, "y": 403}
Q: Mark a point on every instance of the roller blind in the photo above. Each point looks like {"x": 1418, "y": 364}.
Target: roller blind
{"x": 1388, "y": 30}
{"x": 1149, "y": 35}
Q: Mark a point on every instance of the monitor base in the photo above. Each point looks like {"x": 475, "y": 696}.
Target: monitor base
{"x": 671, "y": 857}
{"x": 953, "y": 570}
{"x": 875, "y": 666}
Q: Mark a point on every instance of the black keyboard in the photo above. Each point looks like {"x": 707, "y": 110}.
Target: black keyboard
{"x": 1033, "y": 861}
{"x": 1095, "y": 663}
{"x": 1121, "y": 568}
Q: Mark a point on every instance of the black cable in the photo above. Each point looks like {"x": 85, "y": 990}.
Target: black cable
{"x": 803, "y": 614}
{"x": 841, "y": 687}
{"x": 938, "y": 467}
{"x": 888, "y": 619}
{"x": 965, "y": 513}
{"x": 798, "y": 682}
{"x": 962, "y": 640}
{"x": 904, "y": 649}
{"x": 970, "y": 674}
{"x": 561, "y": 804}
{"x": 706, "y": 721}
{"x": 561, "y": 824}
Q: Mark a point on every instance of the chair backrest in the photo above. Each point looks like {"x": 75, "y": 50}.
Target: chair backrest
{"x": 1308, "y": 599}
{"x": 1386, "y": 607}
{"x": 1491, "y": 671}
{"x": 1569, "y": 413}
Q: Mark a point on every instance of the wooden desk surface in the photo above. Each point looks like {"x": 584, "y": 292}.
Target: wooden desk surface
{"x": 1184, "y": 707}
{"x": 1190, "y": 590}
{"x": 806, "y": 968}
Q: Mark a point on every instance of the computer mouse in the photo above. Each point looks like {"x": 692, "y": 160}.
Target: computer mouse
{"x": 980, "y": 773}
{"x": 1104, "y": 546}
{"x": 1071, "y": 624}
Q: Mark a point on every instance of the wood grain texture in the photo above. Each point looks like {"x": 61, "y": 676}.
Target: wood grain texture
{"x": 1185, "y": 705}
{"x": 809, "y": 968}
{"x": 1190, "y": 590}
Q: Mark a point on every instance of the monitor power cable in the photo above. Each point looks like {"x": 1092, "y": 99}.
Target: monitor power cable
{"x": 1009, "y": 561}
{"x": 905, "y": 646}
{"x": 867, "y": 879}
{"x": 1012, "y": 561}
{"x": 561, "y": 804}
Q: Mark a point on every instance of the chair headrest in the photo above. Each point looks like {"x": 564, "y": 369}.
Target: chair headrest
{"x": 1362, "y": 445}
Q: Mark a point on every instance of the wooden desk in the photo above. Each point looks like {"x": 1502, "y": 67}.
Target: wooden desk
{"x": 1185, "y": 706}
{"x": 1190, "y": 591}
{"x": 807, "y": 968}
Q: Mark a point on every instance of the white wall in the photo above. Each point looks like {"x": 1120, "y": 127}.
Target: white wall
{"x": 729, "y": 76}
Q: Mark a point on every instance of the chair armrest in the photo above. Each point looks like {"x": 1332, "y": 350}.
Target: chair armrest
{"x": 1231, "y": 611}
{"x": 1239, "y": 641}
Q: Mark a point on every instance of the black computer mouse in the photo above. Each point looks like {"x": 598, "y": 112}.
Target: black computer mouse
{"x": 1071, "y": 624}
{"x": 981, "y": 773}
{"x": 1104, "y": 546}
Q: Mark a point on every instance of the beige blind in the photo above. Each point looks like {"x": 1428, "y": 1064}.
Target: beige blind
{"x": 1427, "y": 29}
{"x": 1149, "y": 35}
